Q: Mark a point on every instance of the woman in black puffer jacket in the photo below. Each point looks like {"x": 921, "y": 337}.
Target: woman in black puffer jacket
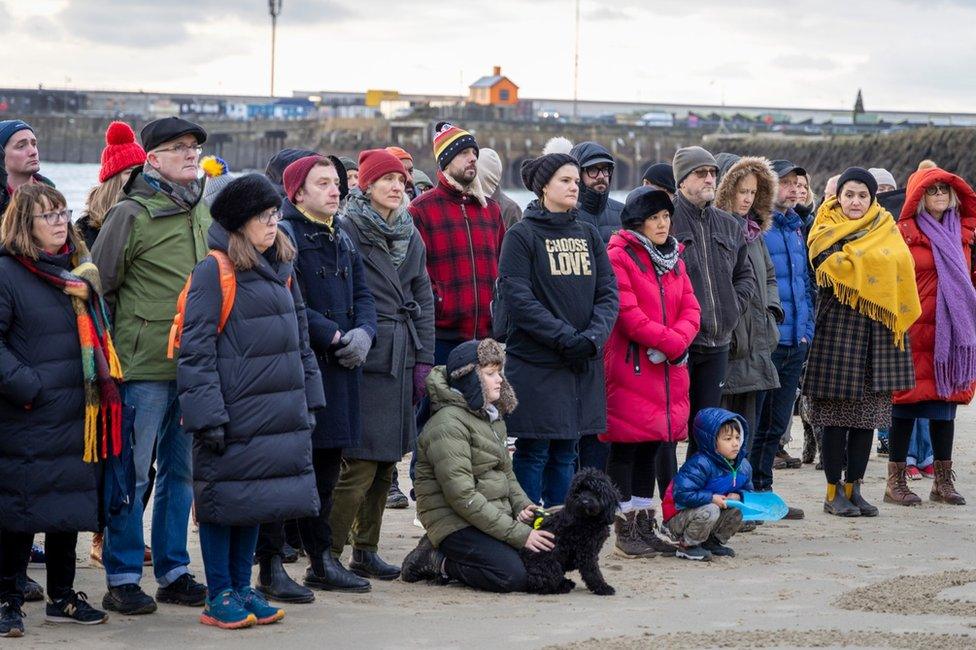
{"x": 247, "y": 396}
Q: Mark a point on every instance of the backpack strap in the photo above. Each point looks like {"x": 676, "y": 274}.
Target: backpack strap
{"x": 228, "y": 293}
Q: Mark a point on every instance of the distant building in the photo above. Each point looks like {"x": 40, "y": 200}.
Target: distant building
{"x": 495, "y": 90}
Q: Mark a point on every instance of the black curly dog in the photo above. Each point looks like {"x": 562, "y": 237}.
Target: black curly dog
{"x": 580, "y": 527}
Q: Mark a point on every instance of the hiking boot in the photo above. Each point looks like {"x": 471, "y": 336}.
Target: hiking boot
{"x": 748, "y": 526}
{"x": 369, "y": 564}
{"x": 227, "y": 612}
{"x": 717, "y": 548}
{"x": 95, "y": 553}
{"x": 11, "y": 620}
{"x": 657, "y": 537}
{"x": 396, "y": 499}
{"x": 853, "y": 493}
{"x": 793, "y": 513}
{"x": 128, "y": 599}
{"x": 836, "y": 502}
{"x": 255, "y": 603}
{"x": 944, "y": 486}
{"x": 896, "y": 489}
{"x": 326, "y": 572}
{"x": 275, "y": 583}
{"x": 912, "y": 473}
{"x": 74, "y": 608}
{"x": 33, "y": 592}
{"x": 789, "y": 462}
{"x": 629, "y": 541}
{"x": 696, "y": 553}
{"x": 183, "y": 591}
{"x": 422, "y": 563}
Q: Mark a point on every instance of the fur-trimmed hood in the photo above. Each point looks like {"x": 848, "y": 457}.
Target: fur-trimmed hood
{"x": 766, "y": 187}
{"x": 460, "y": 385}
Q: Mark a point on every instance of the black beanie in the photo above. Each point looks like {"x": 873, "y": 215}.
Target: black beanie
{"x": 859, "y": 175}
{"x": 243, "y": 198}
{"x": 462, "y": 366}
{"x": 642, "y": 203}
{"x": 537, "y": 172}
{"x": 660, "y": 175}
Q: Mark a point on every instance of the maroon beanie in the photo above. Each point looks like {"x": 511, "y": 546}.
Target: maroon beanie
{"x": 377, "y": 163}
{"x": 294, "y": 176}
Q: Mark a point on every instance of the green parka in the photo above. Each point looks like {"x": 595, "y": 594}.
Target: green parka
{"x": 464, "y": 472}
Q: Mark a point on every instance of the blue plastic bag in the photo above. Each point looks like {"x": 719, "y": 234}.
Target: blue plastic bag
{"x": 760, "y": 506}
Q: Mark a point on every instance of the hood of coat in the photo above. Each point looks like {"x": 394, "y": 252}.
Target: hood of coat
{"x": 707, "y": 424}
{"x": 538, "y": 212}
{"x": 218, "y": 239}
{"x": 766, "y": 188}
{"x": 441, "y": 394}
{"x": 588, "y": 154}
{"x": 921, "y": 180}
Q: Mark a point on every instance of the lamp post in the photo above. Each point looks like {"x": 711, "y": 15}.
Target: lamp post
{"x": 274, "y": 8}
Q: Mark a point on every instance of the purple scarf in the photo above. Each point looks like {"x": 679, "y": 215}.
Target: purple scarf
{"x": 955, "y": 305}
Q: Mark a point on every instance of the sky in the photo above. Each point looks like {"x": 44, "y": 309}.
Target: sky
{"x": 903, "y": 54}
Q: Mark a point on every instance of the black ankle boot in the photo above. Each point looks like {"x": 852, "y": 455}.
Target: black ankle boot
{"x": 369, "y": 565}
{"x": 837, "y": 503}
{"x": 423, "y": 563}
{"x": 325, "y": 572}
{"x": 867, "y": 510}
{"x": 275, "y": 583}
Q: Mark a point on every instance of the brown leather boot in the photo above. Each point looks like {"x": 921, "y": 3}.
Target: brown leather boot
{"x": 654, "y": 535}
{"x": 630, "y": 543}
{"x": 897, "y": 489}
{"x": 943, "y": 487}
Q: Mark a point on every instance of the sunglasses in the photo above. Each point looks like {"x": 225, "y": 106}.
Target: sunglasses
{"x": 705, "y": 172}
{"x": 938, "y": 188}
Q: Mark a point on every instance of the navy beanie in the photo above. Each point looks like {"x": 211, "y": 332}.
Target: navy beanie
{"x": 9, "y": 127}
{"x": 858, "y": 175}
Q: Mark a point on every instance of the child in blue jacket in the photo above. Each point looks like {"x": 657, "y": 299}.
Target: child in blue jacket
{"x": 695, "y": 506}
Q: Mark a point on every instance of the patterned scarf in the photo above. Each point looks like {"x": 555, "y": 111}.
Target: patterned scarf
{"x": 99, "y": 363}
{"x": 874, "y": 272}
{"x": 394, "y": 238}
{"x": 185, "y": 196}
{"x": 955, "y": 304}
{"x": 664, "y": 257}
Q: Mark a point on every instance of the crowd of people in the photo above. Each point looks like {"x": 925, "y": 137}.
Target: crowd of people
{"x": 261, "y": 350}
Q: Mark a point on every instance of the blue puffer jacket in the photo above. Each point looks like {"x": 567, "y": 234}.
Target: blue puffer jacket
{"x": 707, "y": 472}
{"x": 788, "y": 250}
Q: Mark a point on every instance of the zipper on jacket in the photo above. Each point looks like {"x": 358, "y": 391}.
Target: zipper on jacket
{"x": 667, "y": 364}
{"x": 707, "y": 274}
{"x": 474, "y": 270}
{"x": 633, "y": 353}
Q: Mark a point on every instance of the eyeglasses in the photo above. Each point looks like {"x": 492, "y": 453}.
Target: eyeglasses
{"x": 705, "y": 172}
{"x": 182, "y": 149}
{"x": 55, "y": 217}
{"x": 597, "y": 172}
{"x": 938, "y": 188}
{"x": 269, "y": 217}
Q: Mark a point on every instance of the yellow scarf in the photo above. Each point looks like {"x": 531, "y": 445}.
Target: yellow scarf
{"x": 874, "y": 272}
{"x": 327, "y": 222}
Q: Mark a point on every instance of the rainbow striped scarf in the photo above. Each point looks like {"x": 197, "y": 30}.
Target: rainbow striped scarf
{"x": 100, "y": 364}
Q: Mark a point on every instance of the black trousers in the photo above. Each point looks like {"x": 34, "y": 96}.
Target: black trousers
{"x": 315, "y": 532}
{"x": 845, "y": 443}
{"x": 633, "y": 467}
{"x": 942, "y": 433}
{"x": 482, "y": 562}
{"x": 59, "y": 549}
{"x": 745, "y": 405}
{"x": 706, "y": 369}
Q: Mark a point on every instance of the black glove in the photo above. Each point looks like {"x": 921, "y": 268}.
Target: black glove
{"x": 311, "y": 421}
{"x": 580, "y": 348}
{"x": 213, "y": 440}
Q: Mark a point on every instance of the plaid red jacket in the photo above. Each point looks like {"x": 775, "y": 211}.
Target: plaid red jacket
{"x": 463, "y": 240}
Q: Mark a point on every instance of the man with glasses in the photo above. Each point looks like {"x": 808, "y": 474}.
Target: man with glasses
{"x": 715, "y": 257}
{"x": 786, "y": 242}
{"x": 150, "y": 242}
{"x": 20, "y": 162}
{"x": 596, "y": 176}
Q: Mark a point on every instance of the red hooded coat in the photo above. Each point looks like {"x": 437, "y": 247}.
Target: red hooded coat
{"x": 922, "y": 334}
{"x": 648, "y": 402}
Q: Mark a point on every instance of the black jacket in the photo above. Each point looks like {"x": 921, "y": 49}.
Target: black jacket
{"x": 332, "y": 278}
{"x": 595, "y": 207}
{"x": 258, "y": 379}
{"x": 45, "y": 486}
{"x": 557, "y": 285}
{"x": 716, "y": 258}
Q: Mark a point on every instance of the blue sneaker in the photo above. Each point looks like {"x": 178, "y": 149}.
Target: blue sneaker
{"x": 255, "y": 603}
{"x": 227, "y": 612}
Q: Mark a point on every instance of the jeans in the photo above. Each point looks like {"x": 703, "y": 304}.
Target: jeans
{"x": 482, "y": 562}
{"x": 157, "y": 423}
{"x": 227, "y": 556}
{"x": 544, "y": 469}
{"x": 775, "y": 409}
{"x": 707, "y": 368}
{"x": 59, "y": 550}
{"x": 920, "y": 448}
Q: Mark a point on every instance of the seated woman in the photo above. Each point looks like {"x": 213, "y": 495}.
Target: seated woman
{"x": 476, "y": 515}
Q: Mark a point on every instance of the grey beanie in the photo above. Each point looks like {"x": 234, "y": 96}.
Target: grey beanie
{"x": 688, "y": 159}
{"x": 883, "y": 176}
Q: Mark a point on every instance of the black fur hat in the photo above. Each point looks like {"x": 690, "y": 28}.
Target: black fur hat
{"x": 244, "y": 197}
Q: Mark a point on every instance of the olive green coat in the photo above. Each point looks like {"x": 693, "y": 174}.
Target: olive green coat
{"x": 464, "y": 471}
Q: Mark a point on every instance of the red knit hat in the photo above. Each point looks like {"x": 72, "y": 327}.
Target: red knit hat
{"x": 296, "y": 173}
{"x": 400, "y": 153}
{"x": 121, "y": 151}
{"x": 375, "y": 164}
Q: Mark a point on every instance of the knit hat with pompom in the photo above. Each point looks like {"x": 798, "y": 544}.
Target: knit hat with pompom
{"x": 121, "y": 151}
